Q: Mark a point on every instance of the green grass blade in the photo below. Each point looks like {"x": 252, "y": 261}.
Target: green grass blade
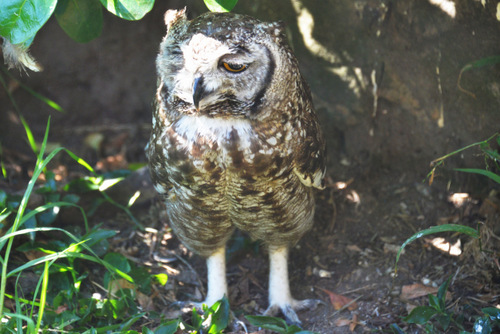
{"x": 29, "y": 321}
{"x": 436, "y": 229}
{"x": 18, "y": 307}
{"x": 20, "y": 212}
{"x": 463, "y": 149}
{"x": 42, "y": 98}
{"x": 2, "y": 165}
{"x": 43, "y": 296}
{"x": 487, "y": 173}
{"x": 67, "y": 253}
{"x": 492, "y": 60}
{"x": 29, "y": 135}
{"x": 33, "y": 212}
{"x": 22, "y": 300}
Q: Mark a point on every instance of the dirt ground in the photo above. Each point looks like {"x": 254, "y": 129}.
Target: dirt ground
{"x": 384, "y": 78}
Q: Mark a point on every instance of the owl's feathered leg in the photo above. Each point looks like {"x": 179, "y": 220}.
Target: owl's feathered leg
{"x": 217, "y": 285}
{"x": 280, "y": 298}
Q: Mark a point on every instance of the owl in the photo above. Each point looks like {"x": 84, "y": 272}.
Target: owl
{"x": 235, "y": 144}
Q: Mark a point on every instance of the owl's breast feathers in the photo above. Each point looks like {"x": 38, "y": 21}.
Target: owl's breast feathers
{"x": 220, "y": 173}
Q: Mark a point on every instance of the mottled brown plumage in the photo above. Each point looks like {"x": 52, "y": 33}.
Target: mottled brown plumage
{"x": 235, "y": 141}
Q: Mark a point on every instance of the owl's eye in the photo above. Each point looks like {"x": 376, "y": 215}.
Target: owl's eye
{"x": 235, "y": 68}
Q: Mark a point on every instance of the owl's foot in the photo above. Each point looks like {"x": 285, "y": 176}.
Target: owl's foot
{"x": 185, "y": 304}
{"x": 280, "y": 298}
{"x": 288, "y": 309}
{"x": 217, "y": 286}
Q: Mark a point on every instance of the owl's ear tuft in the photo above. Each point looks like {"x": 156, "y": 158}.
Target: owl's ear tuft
{"x": 174, "y": 15}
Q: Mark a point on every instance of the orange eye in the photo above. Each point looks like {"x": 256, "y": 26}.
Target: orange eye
{"x": 235, "y": 68}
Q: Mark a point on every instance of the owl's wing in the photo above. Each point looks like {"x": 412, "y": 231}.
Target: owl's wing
{"x": 157, "y": 168}
{"x": 310, "y": 156}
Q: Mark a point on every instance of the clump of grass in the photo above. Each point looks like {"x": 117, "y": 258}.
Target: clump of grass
{"x": 73, "y": 249}
{"x": 435, "y": 318}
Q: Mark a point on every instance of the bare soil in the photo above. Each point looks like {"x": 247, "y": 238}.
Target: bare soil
{"x": 384, "y": 78}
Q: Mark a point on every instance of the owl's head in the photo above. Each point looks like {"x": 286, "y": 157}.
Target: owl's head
{"x": 220, "y": 63}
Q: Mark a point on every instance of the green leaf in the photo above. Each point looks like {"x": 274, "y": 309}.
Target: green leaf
{"x": 161, "y": 278}
{"x": 71, "y": 198}
{"x": 487, "y": 173}
{"x": 493, "y": 312}
{"x": 131, "y": 10}
{"x": 420, "y": 315}
{"x": 434, "y": 302}
{"x": 20, "y": 20}
{"x": 220, "y": 318}
{"x": 220, "y": 5}
{"x": 276, "y": 324}
{"x": 396, "y": 329}
{"x": 294, "y": 329}
{"x": 494, "y": 155}
{"x": 168, "y": 328}
{"x": 142, "y": 277}
{"x": 482, "y": 326}
{"x": 441, "y": 295}
{"x": 146, "y": 330}
{"x": 97, "y": 235}
{"x": 66, "y": 318}
{"x": 3, "y": 199}
{"x": 436, "y": 229}
{"x": 444, "y": 320}
{"x": 196, "y": 319}
{"x": 81, "y": 20}
{"x": 30, "y": 223}
{"x": 118, "y": 261}
{"x": 48, "y": 216}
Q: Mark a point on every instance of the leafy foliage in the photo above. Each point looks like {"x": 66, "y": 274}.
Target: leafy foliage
{"x": 20, "y": 20}
{"x": 436, "y": 229}
{"x": 277, "y": 325}
{"x": 220, "y": 5}
{"x": 488, "y": 61}
{"x": 489, "y": 155}
{"x": 81, "y": 20}
{"x": 435, "y": 318}
{"x": 131, "y": 10}
{"x": 59, "y": 303}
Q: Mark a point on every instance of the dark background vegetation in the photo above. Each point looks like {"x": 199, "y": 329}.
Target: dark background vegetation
{"x": 415, "y": 51}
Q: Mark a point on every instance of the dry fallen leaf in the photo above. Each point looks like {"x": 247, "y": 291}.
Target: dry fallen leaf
{"x": 354, "y": 322}
{"x": 61, "y": 309}
{"x": 416, "y": 290}
{"x": 117, "y": 284}
{"x": 390, "y": 248}
{"x": 339, "y": 301}
{"x": 342, "y": 322}
{"x": 145, "y": 301}
{"x": 354, "y": 248}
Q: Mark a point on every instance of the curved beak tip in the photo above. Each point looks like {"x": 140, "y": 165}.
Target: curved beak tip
{"x": 198, "y": 92}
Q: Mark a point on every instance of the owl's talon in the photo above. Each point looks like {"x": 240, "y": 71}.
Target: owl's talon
{"x": 182, "y": 304}
{"x": 288, "y": 309}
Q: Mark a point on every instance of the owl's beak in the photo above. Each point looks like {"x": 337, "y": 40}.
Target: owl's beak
{"x": 199, "y": 92}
